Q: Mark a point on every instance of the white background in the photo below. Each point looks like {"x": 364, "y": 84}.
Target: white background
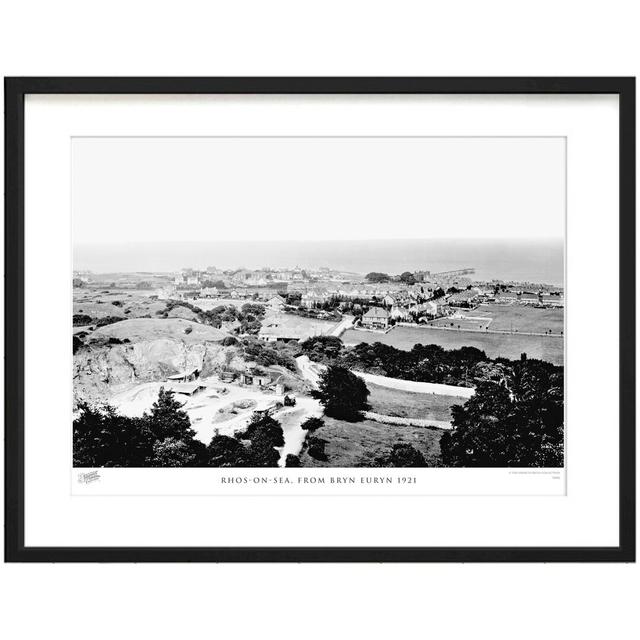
{"x": 293, "y": 38}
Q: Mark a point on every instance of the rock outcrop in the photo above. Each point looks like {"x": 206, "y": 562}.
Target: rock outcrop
{"x": 147, "y": 350}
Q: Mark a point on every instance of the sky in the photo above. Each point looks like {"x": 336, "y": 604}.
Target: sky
{"x": 150, "y": 190}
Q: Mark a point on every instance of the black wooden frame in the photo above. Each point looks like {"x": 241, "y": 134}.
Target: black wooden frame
{"x": 15, "y": 91}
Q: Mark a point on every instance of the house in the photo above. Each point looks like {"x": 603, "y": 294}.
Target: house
{"x": 189, "y": 375}
{"x": 552, "y": 300}
{"x": 186, "y": 388}
{"x": 313, "y": 297}
{"x": 276, "y": 303}
{"x": 262, "y": 380}
{"x": 432, "y": 308}
{"x": 227, "y": 376}
{"x": 209, "y": 292}
{"x": 399, "y": 313}
{"x": 505, "y": 297}
{"x": 376, "y": 318}
{"x": 389, "y": 301}
{"x": 464, "y": 298}
{"x": 529, "y": 298}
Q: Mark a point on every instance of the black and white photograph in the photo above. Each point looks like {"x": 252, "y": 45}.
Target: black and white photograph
{"x": 343, "y": 302}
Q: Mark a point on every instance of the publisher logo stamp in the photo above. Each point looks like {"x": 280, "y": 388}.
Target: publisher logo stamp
{"x": 88, "y": 477}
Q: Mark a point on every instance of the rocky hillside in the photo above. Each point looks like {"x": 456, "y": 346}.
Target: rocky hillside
{"x": 146, "y": 350}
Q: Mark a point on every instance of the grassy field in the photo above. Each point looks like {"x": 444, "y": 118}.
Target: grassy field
{"x": 298, "y": 325}
{"x": 354, "y": 444}
{"x": 206, "y": 304}
{"x": 508, "y": 317}
{"x": 405, "y": 404}
{"x": 495, "y": 345}
{"x": 472, "y": 322}
{"x": 148, "y": 329}
{"x": 515, "y": 317}
{"x": 99, "y": 304}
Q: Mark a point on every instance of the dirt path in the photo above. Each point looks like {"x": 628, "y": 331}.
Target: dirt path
{"x": 407, "y": 422}
{"x": 311, "y": 371}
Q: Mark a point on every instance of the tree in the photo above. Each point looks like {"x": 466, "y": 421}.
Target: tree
{"x": 376, "y": 276}
{"x": 172, "y": 452}
{"x": 316, "y": 448}
{"x": 323, "y": 349}
{"x": 342, "y": 393}
{"x": 292, "y": 461}
{"x": 264, "y": 434}
{"x": 517, "y": 422}
{"x": 103, "y": 438}
{"x": 407, "y": 277}
{"x": 224, "y": 451}
{"x": 253, "y": 309}
{"x": 167, "y": 419}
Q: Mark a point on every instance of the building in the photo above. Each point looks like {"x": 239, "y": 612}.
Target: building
{"x": 552, "y": 300}
{"x": 529, "y": 298}
{"x": 376, "y": 318}
{"x": 433, "y": 308}
{"x": 422, "y": 276}
{"x": 313, "y": 297}
{"x": 186, "y": 388}
{"x": 466, "y": 298}
{"x": 400, "y": 313}
{"x": 189, "y": 375}
{"x": 246, "y": 378}
{"x": 505, "y": 297}
{"x": 276, "y": 303}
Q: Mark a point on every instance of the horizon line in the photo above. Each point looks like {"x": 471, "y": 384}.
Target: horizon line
{"x": 334, "y": 240}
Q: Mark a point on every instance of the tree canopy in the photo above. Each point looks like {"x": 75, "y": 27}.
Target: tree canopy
{"x": 377, "y": 276}
{"x": 518, "y": 422}
{"x": 342, "y": 393}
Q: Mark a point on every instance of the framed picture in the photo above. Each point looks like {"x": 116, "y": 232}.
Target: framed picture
{"x": 320, "y": 319}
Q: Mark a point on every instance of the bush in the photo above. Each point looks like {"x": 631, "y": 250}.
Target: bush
{"x": 402, "y": 455}
{"x": 81, "y": 319}
{"x": 77, "y": 344}
{"x": 103, "y": 322}
{"x": 229, "y": 341}
{"x": 312, "y": 424}
{"x": 324, "y": 349}
{"x": 292, "y": 461}
{"x": 316, "y": 448}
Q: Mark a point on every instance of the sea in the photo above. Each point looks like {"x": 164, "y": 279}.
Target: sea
{"x": 522, "y": 260}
